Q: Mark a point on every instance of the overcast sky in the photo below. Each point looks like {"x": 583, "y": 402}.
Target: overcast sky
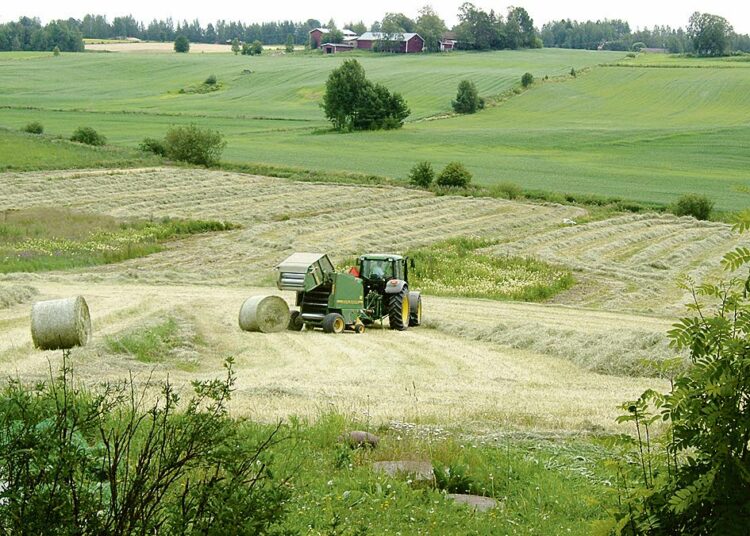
{"x": 638, "y": 13}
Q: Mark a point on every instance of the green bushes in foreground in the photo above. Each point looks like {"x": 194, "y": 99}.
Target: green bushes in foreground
{"x": 194, "y": 145}
{"x": 75, "y": 461}
{"x": 35, "y": 127}
{"x": 695, "y": 205}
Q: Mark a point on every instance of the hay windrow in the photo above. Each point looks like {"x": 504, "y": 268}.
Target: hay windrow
{"x": 16, "y": 294}
{"x": 60, "y": 324}
{"x": 267, "y": 314}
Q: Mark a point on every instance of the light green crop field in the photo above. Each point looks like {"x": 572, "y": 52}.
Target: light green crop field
{"x": 649, "y": 129}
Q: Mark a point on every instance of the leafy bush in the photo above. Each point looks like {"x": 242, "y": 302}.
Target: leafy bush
{"x": 34, "y": 127}
{"x": 638, "y": 46}
{"x": 695, "y": 205}
{"x": 467, "y": 100}
{"x": 89, "y": 136}
{"x": 422, "y": 175}
{"x": 194, "y": 145}
{"x": 152, "y": 145}
{"x": 700, "y": 483}
{"x": 211, "y": 80}
{"x": 527, "y": 79}
{"x": 352, "y": 102}
{"x": 107, "y": 462}
{"x": 56, "y": 51}
{"x": 181, "y": 44}
{"x": 454, "y": 175}
{"x": 573, "y": 72}
{"x": 252, "y": 49}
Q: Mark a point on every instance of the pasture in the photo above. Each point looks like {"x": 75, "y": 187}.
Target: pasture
{"x": 650, "y": 129}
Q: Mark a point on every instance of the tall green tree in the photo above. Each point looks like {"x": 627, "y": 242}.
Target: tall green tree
{"x": 711, "y": 35}
{"x": 431, "y": 27}
{"x": 352, "y": 102}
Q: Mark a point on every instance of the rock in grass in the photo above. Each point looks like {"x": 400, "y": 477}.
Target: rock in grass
{"x": 415, "y": 470}
{"x": 267, "y": 314}
{"x": 477, "y": 502}
{"x": 60, "y": 324}
{"x": 358, "y": 439}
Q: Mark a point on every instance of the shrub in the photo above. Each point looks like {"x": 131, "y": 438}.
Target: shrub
{"x": 56, "y": 51}
{"x": 638, "y": 46}
{"x": 84, "y": 462}
{"x": 467, "y": 100}
{"x": 252, "y": 49}
{"x": 236, "y": 46}
{"x": 527, "y": 79}
{"x": 152, "y": 145}
{"x": 573, "y": 72}
{"x": 181, "y": 44}
{"x": 211, "y": 80}
{"x": 508, "y": 190}
{"x": 695, "y": 205}
{"x": 194, "y": 145}
{"x": 88, "y": 135}
{"x": 35, "y": 127}
{"x": 454, "y": 175}
{"x": 422, "y": 175}
{"x": 705, "y": 486}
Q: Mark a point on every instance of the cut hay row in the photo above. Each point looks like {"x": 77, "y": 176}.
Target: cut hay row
{"x": 467, "y": 382}
{"x": 14, "y": 294}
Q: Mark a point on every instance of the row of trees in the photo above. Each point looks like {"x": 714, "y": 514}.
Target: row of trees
{"x": 706, "y": 35}
{"x": 480, "y": 30}
{"x": 29, "y": 34}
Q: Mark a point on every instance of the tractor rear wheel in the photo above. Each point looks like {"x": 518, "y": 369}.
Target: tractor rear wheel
{"x": 398, "y": 310}
{"x": 333, "y": 323}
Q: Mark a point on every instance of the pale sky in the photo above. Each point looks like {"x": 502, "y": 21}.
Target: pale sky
{"x": 638, "y": 13}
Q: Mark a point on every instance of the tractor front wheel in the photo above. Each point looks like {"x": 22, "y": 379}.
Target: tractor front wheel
{"x": 398, "y": 310}
{"x": 333, "y": 323}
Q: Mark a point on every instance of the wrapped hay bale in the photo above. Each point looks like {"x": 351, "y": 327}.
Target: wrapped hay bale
{"x": 267, "y": 314}
{"x": 60, "y": 324}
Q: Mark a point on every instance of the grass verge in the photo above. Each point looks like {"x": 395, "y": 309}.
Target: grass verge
{"x": 43, "y": 239}
{"x": 457, "y": 267}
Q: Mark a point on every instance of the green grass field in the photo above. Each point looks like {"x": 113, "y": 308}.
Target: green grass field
{"x": 649, "y": 129}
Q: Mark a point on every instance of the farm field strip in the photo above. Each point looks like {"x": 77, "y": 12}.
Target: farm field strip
{"x": 629, "y": 262}
{"x": 423, "y": 374}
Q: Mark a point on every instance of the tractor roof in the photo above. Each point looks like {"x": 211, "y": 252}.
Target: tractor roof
{"x": 381, "y": 256}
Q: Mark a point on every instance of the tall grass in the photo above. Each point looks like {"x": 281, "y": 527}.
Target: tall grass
{"x": 43, "y": 239}
{"x": 457, "y": 267}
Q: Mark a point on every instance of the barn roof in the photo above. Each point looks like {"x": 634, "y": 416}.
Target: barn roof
{"x": 380, "y": 36}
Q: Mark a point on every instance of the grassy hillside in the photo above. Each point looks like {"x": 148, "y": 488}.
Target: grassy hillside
{"x": 648, "y": 129}
{"x": 19, "y": 151}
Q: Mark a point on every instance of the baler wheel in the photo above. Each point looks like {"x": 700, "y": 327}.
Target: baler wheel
{"x": 333, "y": 323}
{"x": 295, "y": 321}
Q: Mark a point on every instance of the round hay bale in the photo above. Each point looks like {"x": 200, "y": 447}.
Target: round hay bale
{"x": 60, "y": 324}
{"x": 267, "y": 314}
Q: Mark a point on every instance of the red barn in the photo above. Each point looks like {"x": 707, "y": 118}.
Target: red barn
{"x": 405, "y": 43}
{"x": 316, "y": 36}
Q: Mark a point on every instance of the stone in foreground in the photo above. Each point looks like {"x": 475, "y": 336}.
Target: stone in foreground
{"x": 418, "y": 471}
{"x": 477, "y": 502}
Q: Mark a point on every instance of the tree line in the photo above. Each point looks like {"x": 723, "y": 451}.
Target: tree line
{"x": 616, "y": 34}
{"x": 477, "y": 29}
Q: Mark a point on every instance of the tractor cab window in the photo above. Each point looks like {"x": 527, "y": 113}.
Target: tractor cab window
{"x": 377, "y": 269}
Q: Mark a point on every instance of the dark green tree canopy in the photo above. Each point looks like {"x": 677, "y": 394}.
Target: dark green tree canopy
{"x": 710, "y": 35}
{"x": 352, "y": 102}
{"x": 467, "y": 100}
{"x": 431, "y": 28}
{"x": 181, "y": 44}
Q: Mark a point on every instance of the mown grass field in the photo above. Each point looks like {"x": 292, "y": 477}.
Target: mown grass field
{"x": 649, "y": 129}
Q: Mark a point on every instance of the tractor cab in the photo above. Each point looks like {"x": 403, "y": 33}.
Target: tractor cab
{"x": 378, "y": 269}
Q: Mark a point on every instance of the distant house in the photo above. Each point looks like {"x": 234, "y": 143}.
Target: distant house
{"x": 317, "y": 34}
{"x": 448, "y": 41}
{"x": 407, "y": 43}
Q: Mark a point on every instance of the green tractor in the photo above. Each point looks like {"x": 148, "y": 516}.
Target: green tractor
{"x": 376, "y": 288}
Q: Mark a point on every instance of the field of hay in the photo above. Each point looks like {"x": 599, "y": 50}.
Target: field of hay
{"x": 476, "y": 364}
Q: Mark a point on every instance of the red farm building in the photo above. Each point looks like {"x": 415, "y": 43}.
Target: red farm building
{"x": 405, "y": 43}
